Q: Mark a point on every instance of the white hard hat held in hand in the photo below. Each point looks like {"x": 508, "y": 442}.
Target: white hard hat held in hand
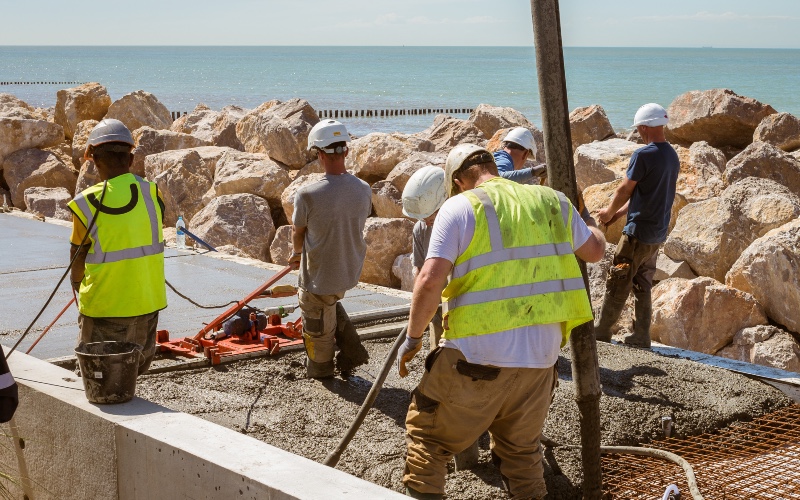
{"x": 325, "y": 133}
{"x": 424, "y": 193}
{"x": 523, "y": 137}
{"x": 651, "y": 115}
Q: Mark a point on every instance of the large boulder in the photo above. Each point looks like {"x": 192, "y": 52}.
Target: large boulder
{"x": 24, "y": 133}
{"x": 373, "y": 156}
{"x": 718, "y": 116}
{"x": 182, "y": 187}
{"x": 140, "y": 109}
{"x": 782, "y": 130}
{"x": 89, "y": 101}
{"x": 13, "y": 107}
{"x": 404, "y": 271}
{"x": 405, "y": 169}
{"x": 151, "y": 141}
{"x": 766, "y": 161}
{"x": 701, "y": 171}
{"x": 387, "y": 200}
{"x": 156, "y": 163}
{"x": 87, "y": 176}
{"x": 386, "y": 239}
{"x": 599, "y": 162}
{"x": 214, "y": 127}
{"x": 279, "y": 129}
{"x": 50, "y": 202}
{"x": 79, "y": 138}
{"x": 312, "y": 167}
{"x": 28, "y": 168}
{"x": 489, "y": 119}
{"x": 701, "y": 314}
{"x": 281, "y": 249}
{"x": 257, "y": 174}
{"x": 447, "y": 132}
{"x": 710, "y": 235}
{"x": 769, "y": 269}
{"x": 589, "y": 124}
{"x": 667, "y": 268}
{"x": 287, "y": 197}
{"x": 764, "y": 345}
{"x": 495, "y": 143}
{"x": 239, "y": 220}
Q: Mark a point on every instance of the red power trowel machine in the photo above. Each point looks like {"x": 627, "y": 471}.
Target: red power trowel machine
{"x": 250, "y": 343}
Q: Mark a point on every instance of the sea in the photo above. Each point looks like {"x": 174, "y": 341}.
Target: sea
{"x": 356, "y": 78}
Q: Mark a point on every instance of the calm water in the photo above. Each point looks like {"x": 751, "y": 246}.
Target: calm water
{"x": 619, "y": 79}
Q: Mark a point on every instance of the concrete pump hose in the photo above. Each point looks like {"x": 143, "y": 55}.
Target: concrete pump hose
{"x": 336, "y": 454}
{"x": 644, "y": 452}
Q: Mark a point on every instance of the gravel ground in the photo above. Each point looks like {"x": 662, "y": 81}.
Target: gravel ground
{"x": 270, "y": 400}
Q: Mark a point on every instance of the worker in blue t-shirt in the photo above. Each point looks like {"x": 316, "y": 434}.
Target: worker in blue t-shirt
{"x": 518, "y": 145}
{"x": 645, "y": 195}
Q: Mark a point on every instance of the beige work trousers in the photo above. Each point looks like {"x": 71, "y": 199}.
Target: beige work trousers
{"x": 449, "y": 411}
{"x": 319, "y": 324}
{"x": 137, "y": 329}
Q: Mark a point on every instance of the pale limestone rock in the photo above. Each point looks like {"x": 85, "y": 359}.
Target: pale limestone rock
{"x": 156, "y": 163}
{"x": 279, "y": 129}
{"x": 766, "y": 161}
{"x": 764, "y": 345}
{"x": 23, "y": 133}
{"x": 87, "y": 176}
{"x": 257, "y": 174}
{"x": 150, "y": 141}
{"x": 718, "y": 116}
{"x": 495, "y": 143}
{"x": 28, "y": 168}
{"x": 182, "y": 186}
{"x": 79, "y": 139}
{"x": 386, "y": 239}
{"x": 447, "y": 132}
{"x": 12, "y": 107}
{"x": 287, "y": 197}
{"x": 373, "y": 156}
{"x": 312, "y": 167}
{"x": 387, "y": 200}
{"x": 140, "y": 109}
{"x": 63, "y": 152}
{"x": 701, "y": 314}
{"x": 403, "y": 270}
{"x": 405, "y": 169}
{"x": 782, "y": 130}
{"x": 769, "y": 269}
{"x": 214, "y": 127}
{"x": 599, "y": 162}
{"x": 710, "y": 235}
{"x": 50, "y": 202}
{"x": 700, "y": 176}
{"x": 667, "y": 268}
{"x": 240, "y": 220}
{"x": 281, "y": 249}
{"x": 489, "y": 119}
{"x": 589, "y": 124}
{"x": 89, "y": 101}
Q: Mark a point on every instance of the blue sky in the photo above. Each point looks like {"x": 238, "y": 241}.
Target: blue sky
{"x": 598, "y": 23}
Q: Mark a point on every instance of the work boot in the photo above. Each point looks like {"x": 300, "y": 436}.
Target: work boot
{"x": 319, "y": 370}
{"x": 351, "y": 353}
{"x": 609, "y": 314}
{"x": 643, "y": 312}
{"x": 411, "y": 492}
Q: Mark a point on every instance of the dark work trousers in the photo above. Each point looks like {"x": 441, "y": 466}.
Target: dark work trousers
{"x": 633, "y": 269}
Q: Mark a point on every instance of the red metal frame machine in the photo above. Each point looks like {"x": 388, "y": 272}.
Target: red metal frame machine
{"x": 252, "y": 343}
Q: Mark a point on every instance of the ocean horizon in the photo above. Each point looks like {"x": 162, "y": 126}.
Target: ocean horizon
{"x": 402, "y": 77}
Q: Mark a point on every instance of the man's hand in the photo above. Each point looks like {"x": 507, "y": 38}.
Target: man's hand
{"x": 605, "y": 215}
{"x": 76, "y": 285}
{"x": 406, "y": 353}
{"x": 294, "y": 260}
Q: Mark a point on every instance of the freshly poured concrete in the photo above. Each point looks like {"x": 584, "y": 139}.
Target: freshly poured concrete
{"x": 34, "y": 255}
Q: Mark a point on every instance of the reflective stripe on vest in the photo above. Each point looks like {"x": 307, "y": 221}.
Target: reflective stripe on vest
{"x": 101, "y": 257}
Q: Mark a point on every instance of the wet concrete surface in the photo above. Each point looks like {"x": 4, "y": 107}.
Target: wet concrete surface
{"x": 271, "y": 400}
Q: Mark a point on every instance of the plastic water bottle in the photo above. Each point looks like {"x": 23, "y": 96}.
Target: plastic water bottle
{"x": 180, "y": 236}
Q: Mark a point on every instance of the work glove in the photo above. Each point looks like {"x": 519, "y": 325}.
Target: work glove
{"x": 294, "y": 261}
{"x": 406, "y": 353}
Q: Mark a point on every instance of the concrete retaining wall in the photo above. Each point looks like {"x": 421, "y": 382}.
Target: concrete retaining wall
{"x": 60, "y": 446}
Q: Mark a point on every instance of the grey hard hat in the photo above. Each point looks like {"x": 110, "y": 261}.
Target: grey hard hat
{"x": 110, "y": 130}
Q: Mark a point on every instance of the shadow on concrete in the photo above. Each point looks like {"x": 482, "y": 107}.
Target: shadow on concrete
{"x": 391, "y": 401}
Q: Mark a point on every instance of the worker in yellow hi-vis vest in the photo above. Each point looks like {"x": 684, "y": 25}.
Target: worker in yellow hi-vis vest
{"x": 515, "y": 294}
{"x": 119, "y": 270}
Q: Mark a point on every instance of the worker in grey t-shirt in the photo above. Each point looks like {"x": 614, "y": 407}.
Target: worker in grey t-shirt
{"x": 328, "y": 243}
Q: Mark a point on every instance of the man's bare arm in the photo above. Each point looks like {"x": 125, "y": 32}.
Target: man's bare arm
{"x": 621, "y": 197}
{"x": 427, "y": 294}
{"x": 79, "y": 266}
{"x": 594, "y": 248}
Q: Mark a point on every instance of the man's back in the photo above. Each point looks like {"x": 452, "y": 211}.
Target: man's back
{"x": 334, "y": 211}
{"x": 655, "y": 169}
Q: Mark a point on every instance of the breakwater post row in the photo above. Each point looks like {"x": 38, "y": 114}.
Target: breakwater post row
{"x": 42, "y": 83}
{"x": 370, "y": 113}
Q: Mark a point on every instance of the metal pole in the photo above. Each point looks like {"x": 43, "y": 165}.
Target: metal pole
{"x": 561, "y": 176}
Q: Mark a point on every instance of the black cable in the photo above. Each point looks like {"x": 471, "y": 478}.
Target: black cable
{"x": 179, "y": 294}
{"x": 69, "y": 267}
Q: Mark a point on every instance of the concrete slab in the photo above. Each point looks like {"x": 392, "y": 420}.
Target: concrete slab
{"x": 33, "y": 264}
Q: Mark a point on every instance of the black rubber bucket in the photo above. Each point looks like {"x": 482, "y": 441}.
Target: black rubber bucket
{"x": 109, "y": 370}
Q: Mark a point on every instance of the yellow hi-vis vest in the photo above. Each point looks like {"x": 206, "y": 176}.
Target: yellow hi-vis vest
{"x": 124, "y": 274}
{"x": 519, "y": 269}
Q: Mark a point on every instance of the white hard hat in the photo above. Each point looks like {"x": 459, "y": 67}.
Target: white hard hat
{"x": 325, "y": 133}
{"x": 458, "y": 157}
{"x": 523, "y": 137}
{"x": 424, "y": 193}
{"x": 650, "y": 115}
{"x": 110, "y": 130}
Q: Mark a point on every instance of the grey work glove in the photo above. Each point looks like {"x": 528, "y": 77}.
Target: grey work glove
{"x": 406, "y": 353}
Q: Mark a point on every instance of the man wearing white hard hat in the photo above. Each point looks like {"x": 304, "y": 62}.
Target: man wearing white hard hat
{"x": 329, "y": 247}
{"x": 116, "y": 234}
{"x": 645, "y": 197}
{"x": 517, "y": 146}
{"x": 512, "y": 299}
